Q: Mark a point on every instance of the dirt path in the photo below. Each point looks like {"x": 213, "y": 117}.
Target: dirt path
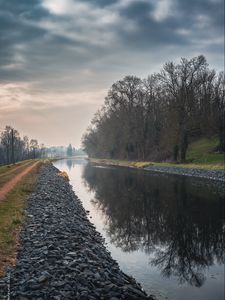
{"x": 11, "y": 183}
{"x": 16, "y": 168}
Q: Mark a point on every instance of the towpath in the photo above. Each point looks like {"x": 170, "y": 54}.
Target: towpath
{"x": 7, "y": 187}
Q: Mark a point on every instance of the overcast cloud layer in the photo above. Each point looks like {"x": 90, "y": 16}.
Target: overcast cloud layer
{"x": 59, "y": 57}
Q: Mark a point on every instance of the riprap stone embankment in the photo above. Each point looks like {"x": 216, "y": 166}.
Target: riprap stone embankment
{"x": 62, "y": 255}
{"x": 200, "y": 173}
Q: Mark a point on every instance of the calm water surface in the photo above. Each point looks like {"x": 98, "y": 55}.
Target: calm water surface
{"x": 164, "y": 230}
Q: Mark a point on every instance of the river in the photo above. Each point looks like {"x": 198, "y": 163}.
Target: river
{"x": 166, "y": 231}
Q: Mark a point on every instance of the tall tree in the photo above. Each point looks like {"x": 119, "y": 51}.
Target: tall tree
{"x": 219, "y": 109}
{"x": 34, "y": 146}
{"x": 181, "y": 83}
{"x": 69, "y": 150}
{"x": 156, "y": 118}
{"x": 6, "y": 142}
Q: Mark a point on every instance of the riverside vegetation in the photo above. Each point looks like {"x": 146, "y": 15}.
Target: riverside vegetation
{"x": 12, "y": 210}
{"x": 14, "y": 148}
{"x": 156, "y": 119}
{"x": 204, "y": 162}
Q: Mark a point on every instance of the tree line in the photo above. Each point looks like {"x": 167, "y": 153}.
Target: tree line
{"x": 14, "y": 148}
{"x": 72, "y": 151}
{"x": 157, "y": 118}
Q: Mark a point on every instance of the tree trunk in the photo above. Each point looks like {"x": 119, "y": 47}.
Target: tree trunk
{"x": 12, "y": 149}
{"x": 183, "y": 138}
{"x": 175, "y": 152}
{"x": 183, "y": 147}
{"x": 7, "y": 155}
{"x": 221, "y": 139}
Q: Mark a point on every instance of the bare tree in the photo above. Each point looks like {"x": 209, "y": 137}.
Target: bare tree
{"x": 156, "y": 118}
{"x": 34, "y": 146}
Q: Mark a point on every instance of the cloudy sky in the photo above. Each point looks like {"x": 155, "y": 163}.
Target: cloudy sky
{"x": 59, "y": 57}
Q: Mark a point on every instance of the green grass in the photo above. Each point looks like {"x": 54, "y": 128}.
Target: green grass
{"x": 202, "y": 152}
{"x": 12, "y": 216}
{"x": 200, "y": 155}
{"x": 8, "y": 173}
{"x": 12, "y": 167}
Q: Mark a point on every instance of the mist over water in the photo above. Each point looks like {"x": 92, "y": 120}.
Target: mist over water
{"x": 164, "y": 230}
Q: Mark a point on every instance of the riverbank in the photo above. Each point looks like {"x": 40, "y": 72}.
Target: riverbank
{"x": 16, "y": 183}
{"x": 62, "y": 256}
{"x": 200, "y": 171}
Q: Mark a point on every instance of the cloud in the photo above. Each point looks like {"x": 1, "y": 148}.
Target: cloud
{"x": 38, "y": 37}
{"x": 85, "y": 23}
{"x": 163, "y": 9}
{"x": 20, "y": 95}
{"x": 65, "y": 54}
{"x": 52, "y": 125}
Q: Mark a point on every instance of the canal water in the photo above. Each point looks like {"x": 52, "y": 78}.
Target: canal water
{"x": 166, "y": 231}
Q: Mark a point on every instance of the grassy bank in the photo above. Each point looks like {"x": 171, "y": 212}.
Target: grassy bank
{"x": 10, "y": 171}
{"x": 12, "y": 215}
{"x": 11, "y": 168}
{"x": 200, "y": 155}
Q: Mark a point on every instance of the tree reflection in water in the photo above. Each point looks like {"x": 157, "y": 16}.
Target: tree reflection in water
{"x": 173, "y": 218}
{"x": 71, "y": 163}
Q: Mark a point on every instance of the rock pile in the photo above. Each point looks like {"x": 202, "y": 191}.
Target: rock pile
{"x": 201, "y": 173}
{"x": 62, "y": 255}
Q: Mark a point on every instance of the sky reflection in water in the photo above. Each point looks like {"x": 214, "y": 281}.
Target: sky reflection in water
{"x": 166, "y": 231}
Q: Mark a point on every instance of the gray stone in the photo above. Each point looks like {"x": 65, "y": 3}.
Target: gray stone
{"x": 62, "y": 254}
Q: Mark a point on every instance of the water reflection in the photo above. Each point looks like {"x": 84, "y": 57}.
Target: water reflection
{"x": 171, "y": 217}
{"x": 72, "y": 162}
